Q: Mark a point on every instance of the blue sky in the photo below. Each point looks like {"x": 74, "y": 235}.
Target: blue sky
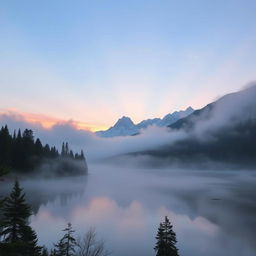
{"x": 95, "y": 61}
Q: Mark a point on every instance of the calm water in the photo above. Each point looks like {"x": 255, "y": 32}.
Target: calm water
{"x": 213, "y": 213}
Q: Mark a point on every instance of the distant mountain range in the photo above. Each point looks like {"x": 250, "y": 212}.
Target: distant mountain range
{"x": 223, "y": 132}
{"x": 126, "y": 127}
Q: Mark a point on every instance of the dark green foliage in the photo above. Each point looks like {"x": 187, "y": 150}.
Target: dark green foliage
{"x": 166, "y": 240}
{"x": 66, "y": 245}
{"x": 3, "y": 172}
{"x": 24, "y": 154}
{"x": 30, "y": 240}
{"x": 44, "y": 252}
{"x": 59, "y": 249}
{"x": 17, "y": 237}
{"x": 16, "y": 212}
{"x": 5, "y": 147}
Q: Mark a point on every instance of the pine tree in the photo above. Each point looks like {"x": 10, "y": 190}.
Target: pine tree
{"x": 16, "y": 212}
{"x": 69, "y": 240}
{"x": 30, "y": 242}
{"x": 166, "y": 240}
{"x": 63, "y": 149}
{"x": 59, "y": 249}
{"x": 82, "y": 155}
{"x": 44, "y": 252}
{"x": 66, "y": 245}
{"x": 66, "y": 149}
{"x": 18, "y": 237}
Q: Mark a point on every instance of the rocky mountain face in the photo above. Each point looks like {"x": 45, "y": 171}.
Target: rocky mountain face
{"x": 126, "y": 127}
{"x": 223, "y": 133}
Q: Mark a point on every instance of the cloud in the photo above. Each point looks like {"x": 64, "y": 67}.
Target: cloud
{"x": 229, "y": 110}
{"x": 94, "y": 146}
{"x": 45, "y": 120}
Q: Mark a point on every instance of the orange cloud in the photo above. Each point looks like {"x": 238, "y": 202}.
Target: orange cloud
{"x": 49, "y": 121}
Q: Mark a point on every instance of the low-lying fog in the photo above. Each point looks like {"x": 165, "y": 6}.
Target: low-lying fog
{"x": 213, "y": 212}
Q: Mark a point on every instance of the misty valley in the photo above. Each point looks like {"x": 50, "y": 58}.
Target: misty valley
{"x": 181, "y": 185}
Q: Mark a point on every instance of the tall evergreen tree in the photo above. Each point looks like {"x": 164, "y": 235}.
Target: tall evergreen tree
{"x": 63, "y": 149}
{"x": 166, "y": 240}
{"x": 69, "y": 240}
{"x": 66, "y": 149}
{"x": 16, "y": 212}
{"x": 66, "y": 245}
{"x": 17, "y": 236}
{"x": 5, "y": 147}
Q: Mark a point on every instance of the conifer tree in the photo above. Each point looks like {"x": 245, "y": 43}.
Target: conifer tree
{"x": 166, "y": 240}
{"x": 69, "y": 240}
{"x": 44, "y": 252}
{"x": 71, "y": 154}
{"x": 66, "y": 149}
{"x": 59, "y": 249}
{"x": 30, "y": 240}
{"x": 17, "y": 236}
{"x": 24, "y": 154}
{"x": 66, "y": 245}
{"x": 16, "y": 212}
{"x": 63, "y": 149}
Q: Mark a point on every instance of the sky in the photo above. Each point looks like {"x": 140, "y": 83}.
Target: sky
{"x": 92, "y": 62}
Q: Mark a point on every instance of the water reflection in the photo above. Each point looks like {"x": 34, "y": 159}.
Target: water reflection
{"x": 213, "y": 213}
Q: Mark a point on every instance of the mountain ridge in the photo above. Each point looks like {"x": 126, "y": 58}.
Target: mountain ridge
{"x": 126, "y": 127}
{"x": 223, "y": 133}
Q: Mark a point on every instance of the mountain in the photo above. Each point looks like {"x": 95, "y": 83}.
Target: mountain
{"x": 223, "y": 133}
{"x": 125, "y": 126}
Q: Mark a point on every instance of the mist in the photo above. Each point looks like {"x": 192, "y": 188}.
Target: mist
{"x": 95, "y": 147}
{"x": 125, "y": 205}
{"x": 131, "y": 185}
{"x": 224, "y": 113}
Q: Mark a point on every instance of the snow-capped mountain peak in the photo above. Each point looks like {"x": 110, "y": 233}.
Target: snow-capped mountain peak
{"x": 124, "y": 122}
{"x": 126, "y": 127}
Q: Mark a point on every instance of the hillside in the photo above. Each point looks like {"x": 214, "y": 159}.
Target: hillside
{"x": 222, "y": 132}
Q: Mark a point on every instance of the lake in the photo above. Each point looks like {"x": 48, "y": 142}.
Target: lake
{"x": 212, "y": 212}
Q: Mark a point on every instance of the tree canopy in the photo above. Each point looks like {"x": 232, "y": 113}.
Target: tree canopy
{"x": 166, "y": 240}
{"x": 23, "y": 153}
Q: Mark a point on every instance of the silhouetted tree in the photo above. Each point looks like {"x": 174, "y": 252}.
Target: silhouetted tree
{"x": 66, "y": 245}
{"x": 63, "y": 149}
{"x": 38, "y": 147}
{"x": 17, "y": 236}
{"x": 82, "y": 155}
{"x": 44, "y": 251}
{"x": 5, "y": 147}
{"x": 66, "y": 149}
{"x": 71, "y": 154}
{"x": 166, "y": 240}
{"x": 23, "y": 154}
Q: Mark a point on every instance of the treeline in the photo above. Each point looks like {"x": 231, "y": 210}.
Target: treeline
{"x": 17, "y": 238}
{"x": 23, "y": 153}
